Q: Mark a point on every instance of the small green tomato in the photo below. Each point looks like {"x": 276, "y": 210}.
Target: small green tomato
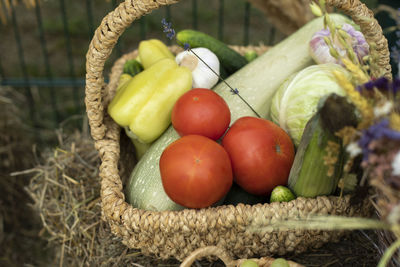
{"x": 250, "y": 55}
{"x": 249, "y": 263}
{"x": 280, "y": 262}
{"x": 281, "y": 194}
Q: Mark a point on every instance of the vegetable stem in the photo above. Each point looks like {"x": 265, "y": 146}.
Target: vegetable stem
{"x": 389, "y": 253}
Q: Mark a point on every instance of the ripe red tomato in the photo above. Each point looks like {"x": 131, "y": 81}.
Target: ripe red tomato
{"x": 261, "y": 153}
{"x": 195, "y": 171}
{"x": 201, "y": 111}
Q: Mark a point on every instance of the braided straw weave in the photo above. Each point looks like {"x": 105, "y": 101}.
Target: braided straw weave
{"x": 178, "y": 233}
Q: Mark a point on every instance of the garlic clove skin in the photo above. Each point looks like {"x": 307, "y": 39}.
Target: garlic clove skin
{"x": 319, "y": 49}
{"x": 203, "y": 76}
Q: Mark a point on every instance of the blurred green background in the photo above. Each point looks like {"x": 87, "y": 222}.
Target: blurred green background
{"x": 43, "y": 45}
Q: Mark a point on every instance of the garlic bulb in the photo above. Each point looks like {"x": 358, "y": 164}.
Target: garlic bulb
{"x": 203, "y": 76}
{"x": 320, "y": 49}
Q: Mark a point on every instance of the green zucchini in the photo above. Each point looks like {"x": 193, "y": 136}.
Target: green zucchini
{"x": 132, "y": 67}
{"x": 309, "y": 174}
{"x": 314, "y": 171}
{"x": 256, "y": 82}
{"x": 229, "y": 58}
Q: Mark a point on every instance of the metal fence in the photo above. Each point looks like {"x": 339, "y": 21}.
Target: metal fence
{"x": 53, "y": 79}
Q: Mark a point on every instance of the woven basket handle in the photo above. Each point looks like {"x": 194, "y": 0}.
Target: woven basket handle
{"x": 100, "y": 48}
{"x": 371, "y": 29}
{"x": 114, "y": 24}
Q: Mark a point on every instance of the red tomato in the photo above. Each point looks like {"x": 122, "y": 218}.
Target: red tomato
{"x": 195, "y": 171}
{"x": 261, "y": 153}
{"x": 201, "y": 111}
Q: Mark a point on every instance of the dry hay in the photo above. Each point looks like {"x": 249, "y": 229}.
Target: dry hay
{"x": 15, "y": 134}
{"x": 65, "y": 189}
{"x": 19, "y": 226}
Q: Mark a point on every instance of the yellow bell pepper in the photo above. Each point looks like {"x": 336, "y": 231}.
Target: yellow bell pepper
{"x": 145, "y": 103}
{"x": 123, "y": 80}
{"x": 140, "y": 148}
{"x": 151, "y": 51}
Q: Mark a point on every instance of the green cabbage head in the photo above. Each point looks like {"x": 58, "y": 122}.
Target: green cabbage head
{"x": 296, "y": 101}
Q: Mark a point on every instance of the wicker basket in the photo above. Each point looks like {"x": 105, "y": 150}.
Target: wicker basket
{"x": 178, "y": 233}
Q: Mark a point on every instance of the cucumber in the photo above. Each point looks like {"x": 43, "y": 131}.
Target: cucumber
{"x": 132, "y": 67}
{"x": 229, "y": 58}
{"x": 256, "y": 82}
{"x": 310, "y": 175}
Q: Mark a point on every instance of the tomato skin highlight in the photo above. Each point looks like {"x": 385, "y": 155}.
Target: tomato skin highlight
{"x": 201, "y": 111}
{"x": 261, "y": 154}
{"x": 195, "y": 171}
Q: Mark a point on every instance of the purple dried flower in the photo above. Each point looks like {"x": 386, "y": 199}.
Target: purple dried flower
{"x": 381, "y": 83}
{"x": 384, "y": 162}
{"x": 376, "y": 131}
{"x": 235, "y": 91}
{"x": 167, "y": 29}
{"x": 170, "y": 33}
{"x": 186, "y": 46}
